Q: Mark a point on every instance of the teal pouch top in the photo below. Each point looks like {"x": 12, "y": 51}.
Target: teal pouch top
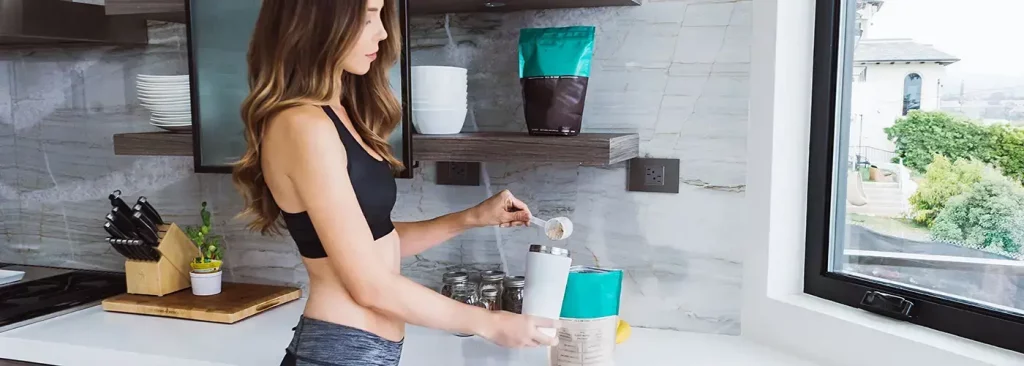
{"x": 553, "y": 52}
{"x": 592, "y": 293}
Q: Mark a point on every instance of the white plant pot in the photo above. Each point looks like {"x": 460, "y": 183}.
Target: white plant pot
{"x": 206, "y": 284}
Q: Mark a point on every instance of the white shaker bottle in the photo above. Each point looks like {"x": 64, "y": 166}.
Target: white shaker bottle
{"x": 547, "y": 271}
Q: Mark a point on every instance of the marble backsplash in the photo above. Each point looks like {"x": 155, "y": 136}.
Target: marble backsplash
{"x": 676, "y": 71}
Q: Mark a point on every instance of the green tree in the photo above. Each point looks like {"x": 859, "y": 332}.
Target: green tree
{"x": 989, "y": 216}
{"x": 942, "y": 181}
{"x": 1009, "y": 150}
{"x": 919, "y": 136}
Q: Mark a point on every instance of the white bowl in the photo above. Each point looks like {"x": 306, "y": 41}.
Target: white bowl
{"x": 170, "y": 114}
{"x": 185, "y": 128}
{"x": 161, "y": 84}
{"x": 439, "y": 121}
{"x": 162, "y": 78}
{"x": 440, "y": 98}
{"x": 169, "y": 94}
{"x": 428, "y": 106}
{"x": 165, "y": 99}
{"x": 171, "y": 120}
{"x": 451, "y": 70}
{"x": 170, "y": 108}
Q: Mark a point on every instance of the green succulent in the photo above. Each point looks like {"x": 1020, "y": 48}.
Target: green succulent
{"x": 210, "y": 248}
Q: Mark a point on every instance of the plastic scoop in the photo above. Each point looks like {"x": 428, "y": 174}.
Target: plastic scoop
{"x": 558, "y": 228}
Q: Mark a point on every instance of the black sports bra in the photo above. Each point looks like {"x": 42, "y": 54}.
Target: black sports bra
{"x": 375, "y": 190}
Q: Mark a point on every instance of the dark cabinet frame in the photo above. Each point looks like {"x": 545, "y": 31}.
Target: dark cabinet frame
{"x": 406, "y": 93}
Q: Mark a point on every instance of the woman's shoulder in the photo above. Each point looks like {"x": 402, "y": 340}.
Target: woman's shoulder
{"x": 300, "y": 123}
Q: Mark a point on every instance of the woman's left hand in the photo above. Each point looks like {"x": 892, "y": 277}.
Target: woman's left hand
{"x": 503, "y": 209}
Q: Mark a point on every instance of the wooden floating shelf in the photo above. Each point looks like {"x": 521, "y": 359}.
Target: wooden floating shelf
{"x": 165, "y": 10}
{"x": 174, "y": 10}
{"x": 153, "y": 143}
{"x": 586, "y": 149}
{"x": 422, "y": 7}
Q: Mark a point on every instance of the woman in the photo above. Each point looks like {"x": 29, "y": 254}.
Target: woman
{"x": 316, "y": 122}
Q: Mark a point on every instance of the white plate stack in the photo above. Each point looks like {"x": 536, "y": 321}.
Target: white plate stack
{"x": 438, "y": 99}
{"x": 168, "y": 99}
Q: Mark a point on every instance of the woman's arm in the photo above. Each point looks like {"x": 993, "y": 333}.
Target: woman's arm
{"x": 321, "y": 179}
{"x": 501, "y": 210}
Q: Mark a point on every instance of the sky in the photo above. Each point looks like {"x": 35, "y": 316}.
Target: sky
{"x": 987, "y": 35}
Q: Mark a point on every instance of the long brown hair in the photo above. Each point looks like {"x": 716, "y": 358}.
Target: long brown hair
{"x": 295, "y": 58}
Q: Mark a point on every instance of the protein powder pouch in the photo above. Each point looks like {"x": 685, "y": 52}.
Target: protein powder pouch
{"x": 554, "y": 68}
{"x": 589, "y": 317}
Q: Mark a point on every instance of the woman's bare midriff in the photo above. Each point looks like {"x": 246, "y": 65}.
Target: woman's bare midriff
{"x": 330, "y": 301}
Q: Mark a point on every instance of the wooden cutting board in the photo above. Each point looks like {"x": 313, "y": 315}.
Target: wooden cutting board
{"x": 235, "y": 302}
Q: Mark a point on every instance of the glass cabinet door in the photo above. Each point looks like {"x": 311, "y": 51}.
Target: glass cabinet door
{"x": 219, "y": 34}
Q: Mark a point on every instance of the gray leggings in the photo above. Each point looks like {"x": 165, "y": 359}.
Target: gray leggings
{"x": 320, "y": 343}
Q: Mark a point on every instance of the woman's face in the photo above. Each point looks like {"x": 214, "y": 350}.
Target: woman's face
{"x": 358, "y": 60}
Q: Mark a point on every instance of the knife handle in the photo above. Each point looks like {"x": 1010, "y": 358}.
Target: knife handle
{"x": 145, "y": 230}
{"x": 113, "y": 230}
{"x": 116, "y": 201}
{"x": 150, "y": 212}
{"x": 117, "y": 247}
{"x": 124, "y": 226}
{"x": 145, "y": 217}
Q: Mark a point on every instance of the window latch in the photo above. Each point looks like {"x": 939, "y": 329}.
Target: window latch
{"x": 888, "y": 305}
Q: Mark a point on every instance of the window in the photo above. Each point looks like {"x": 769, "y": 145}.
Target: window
{"x": 911, "y": 93}
{"x": 931, "y": 234}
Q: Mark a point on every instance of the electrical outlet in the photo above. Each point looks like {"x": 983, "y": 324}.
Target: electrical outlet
{"x": 458, "y": 173}
{"x": 652, "y": 175}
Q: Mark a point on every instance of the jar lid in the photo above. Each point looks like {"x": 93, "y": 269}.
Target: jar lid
{"x": 537, "y": 248}
{"x": 515, "y": 281}
{"x": 489, "y": 292}
{"x": 492, "y": 275}
{"x": 455, "y": 276}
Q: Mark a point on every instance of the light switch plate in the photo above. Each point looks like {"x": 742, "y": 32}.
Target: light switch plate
{"x": 652, "y": 175}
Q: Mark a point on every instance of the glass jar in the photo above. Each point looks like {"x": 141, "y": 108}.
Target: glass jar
{"x": 491, "y": 279}
{"x": 512, "y": 296}
{"x": 450, "y": 279}
{"x": 465, "y": 293}
{"x": 489, "y": 299}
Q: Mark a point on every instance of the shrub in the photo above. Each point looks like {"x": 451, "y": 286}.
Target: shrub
{"x": 1009, "y": 151}
{"x": 942, "y": 180}
{"x": 921, "y": 135}
{"x": 989, "y": 216}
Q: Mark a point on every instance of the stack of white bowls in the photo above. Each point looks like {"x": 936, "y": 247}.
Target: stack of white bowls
{"x": 168, "y": 99}
{"x": 438, "y": 99}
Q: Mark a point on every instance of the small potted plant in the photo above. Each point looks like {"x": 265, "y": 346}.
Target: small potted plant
{"x": 206, "y": 274}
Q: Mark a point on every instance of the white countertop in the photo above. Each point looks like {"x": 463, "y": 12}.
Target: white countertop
{"x": 95, "y": 337}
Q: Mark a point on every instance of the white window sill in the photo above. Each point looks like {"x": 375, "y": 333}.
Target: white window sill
{"x": 833, "y": 334}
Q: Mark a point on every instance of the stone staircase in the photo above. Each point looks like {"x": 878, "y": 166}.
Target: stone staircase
{"x": 884, "y": 200}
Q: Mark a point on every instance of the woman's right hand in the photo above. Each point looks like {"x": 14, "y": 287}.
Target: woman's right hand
{"x": 513, "y": 330}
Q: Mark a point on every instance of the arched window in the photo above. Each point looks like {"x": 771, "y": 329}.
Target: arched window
{"x": 911, "y": 93}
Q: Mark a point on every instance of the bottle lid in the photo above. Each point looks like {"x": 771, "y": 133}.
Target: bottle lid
{"x": 515, "y": 281}
{"x": 492, "y": 275}
{"x": 455, "y": 276}
{"x": 537, "y": 248}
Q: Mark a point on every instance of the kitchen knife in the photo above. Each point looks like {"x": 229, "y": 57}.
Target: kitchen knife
{"x": 145, "y": 217}
{"x": 146, "y": 231}
{"x": 119, "y": 248}
{"x": 150, "y": 212}
{"x": 113, "y": 230}
{"x": 124, "y": 226}
{"x": 116, "y": 201}
{"x": 145, "y": 252}
{"x": 123, "y": 216}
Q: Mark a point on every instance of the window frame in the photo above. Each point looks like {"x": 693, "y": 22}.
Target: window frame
{"x": 973, "y": 322}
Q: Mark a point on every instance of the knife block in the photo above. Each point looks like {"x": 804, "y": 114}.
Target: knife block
{"x": 168, "y": 275}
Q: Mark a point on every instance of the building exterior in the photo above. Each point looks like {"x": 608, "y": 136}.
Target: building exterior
{"x": 891, "y": 78}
